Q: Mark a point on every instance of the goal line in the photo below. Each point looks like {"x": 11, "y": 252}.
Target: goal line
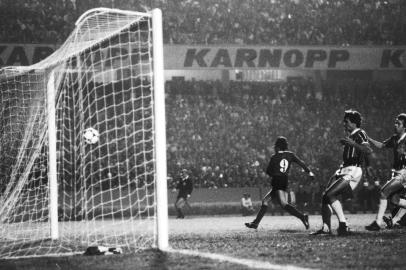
{"x": 254, "y": 264}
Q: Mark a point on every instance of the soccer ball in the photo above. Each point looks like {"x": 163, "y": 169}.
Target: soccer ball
{"x": 91, "y": 136}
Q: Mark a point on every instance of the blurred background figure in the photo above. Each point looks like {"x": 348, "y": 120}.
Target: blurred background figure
{"x": 247, "y": 208}
{"x": 185, "y": 187}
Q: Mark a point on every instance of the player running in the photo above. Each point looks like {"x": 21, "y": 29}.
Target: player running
{"x": 347, "y": 177}
{"x": 396, "y": 185}
{"x": 278, "y": 170}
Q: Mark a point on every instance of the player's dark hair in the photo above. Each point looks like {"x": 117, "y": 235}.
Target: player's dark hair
{"x": 402, "y": 117}
{"x": 353, "y": 116}
{"x": 282, "y": 143}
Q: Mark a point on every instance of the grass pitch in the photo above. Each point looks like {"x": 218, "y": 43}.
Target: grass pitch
{"x": 280, "y": 241}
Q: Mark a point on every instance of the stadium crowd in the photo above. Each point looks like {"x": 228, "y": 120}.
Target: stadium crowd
{"x": 271, "y": 22}
{"x": 229, "y": 130}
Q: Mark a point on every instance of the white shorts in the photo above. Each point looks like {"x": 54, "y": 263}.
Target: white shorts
{"x": 352, "y": 174}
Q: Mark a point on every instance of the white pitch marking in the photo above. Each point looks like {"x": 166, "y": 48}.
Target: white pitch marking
{"x": 250, "y": 263}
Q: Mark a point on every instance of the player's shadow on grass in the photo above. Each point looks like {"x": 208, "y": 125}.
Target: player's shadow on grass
{"x": 290, "y": 231}
{"x": 356, "y": 234}
{"x": 353, "y": 233}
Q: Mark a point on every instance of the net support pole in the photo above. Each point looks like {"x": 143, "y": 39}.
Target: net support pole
{"x": 52, "y": 173}
{"x": 160, "y": 132}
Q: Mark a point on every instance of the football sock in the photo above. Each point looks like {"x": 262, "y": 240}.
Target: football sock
{"x": 383, "y": 203}
{"x": 260, "y": 214}
{"x": 402, "y": 203}
{"x": 293, "y": 211}
{"x": 326, "y": 215}
{"x": 338, "y": 209}
{"x": 399, "y": 214}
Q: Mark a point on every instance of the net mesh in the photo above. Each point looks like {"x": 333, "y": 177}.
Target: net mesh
{"x": 106, "y": 189}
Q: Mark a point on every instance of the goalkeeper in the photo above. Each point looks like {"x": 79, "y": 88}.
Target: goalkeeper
{"x": 185, "y": 187}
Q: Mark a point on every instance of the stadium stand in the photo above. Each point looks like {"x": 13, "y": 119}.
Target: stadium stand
{"x": 201, "y": 114}
{"x": 275, "y": 22}
{"x": 250, "y": 116}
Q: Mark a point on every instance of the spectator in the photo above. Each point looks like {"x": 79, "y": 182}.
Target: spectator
{"x": 247, "y": 208}
{"x": 220, "y": 132}
{"x": 275, "y": 22}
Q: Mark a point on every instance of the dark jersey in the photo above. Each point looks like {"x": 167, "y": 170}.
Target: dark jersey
{"x": 351, "y": 155}
{"x": 280, "y": 163}
{"x": 397, "y": 143}
{"x": 185, "y": 187}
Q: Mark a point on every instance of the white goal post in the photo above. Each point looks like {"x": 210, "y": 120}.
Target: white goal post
{"x": 83, "y": 143}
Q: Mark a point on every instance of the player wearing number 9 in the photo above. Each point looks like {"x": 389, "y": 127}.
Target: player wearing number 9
{"x": 278, "y": 170}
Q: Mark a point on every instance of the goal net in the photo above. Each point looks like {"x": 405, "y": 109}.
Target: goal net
{"x": 82, "y": 141}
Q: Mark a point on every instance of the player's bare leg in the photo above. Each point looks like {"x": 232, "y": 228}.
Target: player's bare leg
{"x": 396, "y": 219}
{"x": 326, "y": 212}
{"x": 262, "y": 211}
{"x": 397, "y": 214}
{"x": 283, "y": 201}
{"x": 391, "y": 187}
{"x": 179, "y": 204}
{"x": 341, "y": 186}
{"x": 393, "y": 222}
{"x": 330, "y": 201}
{"x": 378, "y": 222}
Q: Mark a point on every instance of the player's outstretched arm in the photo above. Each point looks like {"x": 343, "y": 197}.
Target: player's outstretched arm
{"x": 304, "y": 166}
{"x": 376, "y": 143}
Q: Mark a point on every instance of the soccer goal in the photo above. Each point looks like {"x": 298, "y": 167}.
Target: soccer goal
{"x": 82, "y": 141}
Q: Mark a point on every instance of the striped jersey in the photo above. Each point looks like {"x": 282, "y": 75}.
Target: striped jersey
{"x": 351, "y": 155}
{"x": 398, "y": 144}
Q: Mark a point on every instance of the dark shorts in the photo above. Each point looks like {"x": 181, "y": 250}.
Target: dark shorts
{"x": 183, "y": 196}
{"x": 279, "y": 183}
